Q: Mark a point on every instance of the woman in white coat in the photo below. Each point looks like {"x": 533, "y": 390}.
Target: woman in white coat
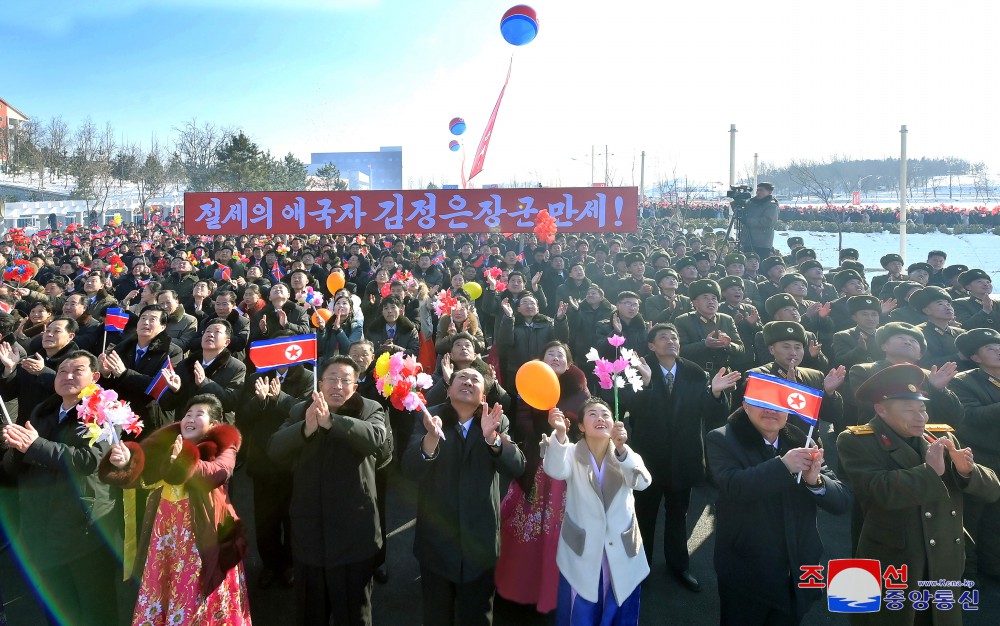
{"x": 600, "y": 556}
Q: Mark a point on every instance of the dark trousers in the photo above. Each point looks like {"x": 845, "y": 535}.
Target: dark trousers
{"x": 77, "y": 592}
{"x": 741, "y": 609}
{"x": 381, "y": 495}
{"x": 343, "y": 592}
{"x": 271, "y": 499}
{"x": 675, "y": 508}
{"x": 447, "y": 603}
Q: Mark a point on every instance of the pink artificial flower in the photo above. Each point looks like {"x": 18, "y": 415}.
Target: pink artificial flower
{"x": 616, "y": 340}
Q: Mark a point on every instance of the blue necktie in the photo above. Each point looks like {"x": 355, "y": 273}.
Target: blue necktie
{"x": 139, "y": 353}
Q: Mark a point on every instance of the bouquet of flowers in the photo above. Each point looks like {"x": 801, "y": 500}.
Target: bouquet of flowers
{"x": 20, "y": 272}
{"x": 116, "y": 267}
{"x": 616, "y": 374}
{"x": 399, "y": 378}
{"x": 101, "y": 411}
{"x": 311, "y": 298}
{"x": 444, "y": 303}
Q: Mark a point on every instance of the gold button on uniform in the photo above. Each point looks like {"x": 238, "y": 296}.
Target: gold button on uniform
{"x": 932, "y": 542}
{"x": 928, "y": 514}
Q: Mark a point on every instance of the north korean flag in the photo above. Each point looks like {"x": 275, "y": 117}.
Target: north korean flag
{"x": 479, "y": 262}
{"x": 105, "y": 251}
{"x": 438, "y": 258}
{"x": 276, "y": 272}
{"x": 6, "y": 307}
{"x": 159, "y": 385}
{"x": 44, "y": 232}
{"x": 115, "y": 320}
{"x": 225, "y": 271}
{"x": 271, "y": 354}
{"x": 778, "y": 394}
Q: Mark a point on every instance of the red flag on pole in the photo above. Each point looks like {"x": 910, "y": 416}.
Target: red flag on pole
{"x": 484, "y": 143}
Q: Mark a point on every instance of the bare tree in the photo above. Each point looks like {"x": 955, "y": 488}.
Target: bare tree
{"x": 981, "y": 181}
{"x": 57, "y": 147}
{"x": 808, "y": 176}
{"x": 198, "y": 147}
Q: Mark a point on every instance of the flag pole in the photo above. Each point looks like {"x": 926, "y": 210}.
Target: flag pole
{"x": 104, "y": 344}
{"x": 6, "y": 415}
{"x": 809, "y": 444}
{"x": 315, "y": 332}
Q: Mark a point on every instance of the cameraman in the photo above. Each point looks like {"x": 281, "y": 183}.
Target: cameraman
{"x": 759, "y": 220}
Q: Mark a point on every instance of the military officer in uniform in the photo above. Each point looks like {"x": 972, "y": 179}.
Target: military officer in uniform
{"x": 817, "y": 288}
{"x": 903, "y": 311}
{"x": 636, "y": 280}
{"x": 975, "y": 309}
{"x": 893, "y": 265}
{"x": 782, "y": 307}
{"x": 708, "y": 338}
{"x": 736, "y": 305}
{"x": 909, "y": 478}
{"x": 979, "y": 392}
{"x": 667, "y": 304}
{"x": 904, "y": 343}
{"x": 939, "y": 330}
{"x": 772, "y": 268}
{"x": 848, "y": 284}
{"x": 786, "y": 344}
{"x": 736, "y": 264}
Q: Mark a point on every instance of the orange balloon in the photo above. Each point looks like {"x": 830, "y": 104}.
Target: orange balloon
{"x": 335, "y": 282}
{"x": 538, "y": 385}
{"x": 326, "y": 314}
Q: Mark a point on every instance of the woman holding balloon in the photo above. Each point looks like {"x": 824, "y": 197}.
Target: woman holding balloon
{"x": 531, "y": 513}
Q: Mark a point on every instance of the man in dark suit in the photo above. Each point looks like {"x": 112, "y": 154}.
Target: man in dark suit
{"x": 458, "y": 510}
{"x": 765, "y": 518}
{"x": 333, "y": 442}
{"x": 208, "y": 369}
{"x": 65, "y": 509}
{"x": 979, "y": 392}
{"x": 668, "y": 419}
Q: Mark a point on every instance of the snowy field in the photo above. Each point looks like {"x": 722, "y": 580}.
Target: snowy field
{"x": 982, "y": 251}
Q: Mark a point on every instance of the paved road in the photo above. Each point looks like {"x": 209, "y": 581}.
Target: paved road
{"x": 398, "y": 601}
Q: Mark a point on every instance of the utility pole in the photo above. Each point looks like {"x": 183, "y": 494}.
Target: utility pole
{"x": 606, "y": 165}
{"x": 902, "y": 192}
{"x": 755, "y": 170}
{"x": 642, "y": 176}
{"x": 732, "y": 154}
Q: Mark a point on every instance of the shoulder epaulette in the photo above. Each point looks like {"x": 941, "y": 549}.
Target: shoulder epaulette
{"x": 863, "y": 429}
{"x": 939, "y": 428}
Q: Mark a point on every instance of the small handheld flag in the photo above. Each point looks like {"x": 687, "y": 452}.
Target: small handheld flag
{"x": 271, "y": 354}
{"x": 778, "y": 394}
{"x": 159, "y": 385}
{"x": 276, "y": 272}
{"x": 115, "y": 320}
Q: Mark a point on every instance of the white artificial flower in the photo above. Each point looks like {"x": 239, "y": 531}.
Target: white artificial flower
{"x": 592, "y": 355}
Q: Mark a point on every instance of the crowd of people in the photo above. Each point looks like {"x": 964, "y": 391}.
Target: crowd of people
{"x": 552, "y": 508}
{"x": 931, "y": 213}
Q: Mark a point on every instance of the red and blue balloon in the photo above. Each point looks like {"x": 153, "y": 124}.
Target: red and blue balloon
{"x": 519, "y": 25}
{"x": 453, "y": 145}
{"x": 456, "y": 126}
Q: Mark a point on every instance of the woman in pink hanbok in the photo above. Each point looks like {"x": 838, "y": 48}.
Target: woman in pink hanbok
{"x": 191, "y": 544}
{"x": 531, "y": 513}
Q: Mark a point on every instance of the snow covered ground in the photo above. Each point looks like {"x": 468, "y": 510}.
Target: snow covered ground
{"x": 982, "y": 251}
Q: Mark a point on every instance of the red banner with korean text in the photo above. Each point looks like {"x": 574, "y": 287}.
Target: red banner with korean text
{"x": 575, "y": 209}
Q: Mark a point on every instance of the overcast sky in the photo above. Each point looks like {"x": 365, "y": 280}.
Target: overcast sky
{"x": 800, "y": 80}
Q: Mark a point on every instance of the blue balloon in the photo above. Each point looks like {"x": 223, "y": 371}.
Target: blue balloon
{"x": 456, "y": 126}
{"x": 519, "y": 25}
{"x": 454, "y": 145}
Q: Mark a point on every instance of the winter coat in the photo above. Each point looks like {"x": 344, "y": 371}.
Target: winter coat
{"x": 759, "y": 220}
{"x": 458, "y": 505}
{"x": 335, "y": 465}
{"x": 765, "y": 521}
{"x": 259, "y": 419}
{"x": 63, "y": 504}
{"x": 131, "y": 386}
{"x": 204, "y": 470}
{"x": 518, "y": 343}
{"x": 30, "y": 389}
{"x": 181, "y": 327}
{"x": 443, "y": 343}
{"x": 223, "y": 379}
{"x": 600, "y": 519}
{"x": 298, "y": 321}
{"x": 241, "y": 333}
{"x": 406, "y": 334}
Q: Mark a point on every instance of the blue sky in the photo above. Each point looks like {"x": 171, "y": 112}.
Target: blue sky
{"x": 799, "y": 79}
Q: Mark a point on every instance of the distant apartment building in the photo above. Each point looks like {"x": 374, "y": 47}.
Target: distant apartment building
{"x": 365, "y": 170}
{"x": 9, "y": 119}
